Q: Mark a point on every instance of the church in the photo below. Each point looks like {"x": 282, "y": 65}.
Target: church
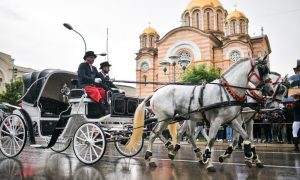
{"x": 208, "y": 35}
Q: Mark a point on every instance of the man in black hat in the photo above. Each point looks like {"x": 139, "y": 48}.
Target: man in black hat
{"x": 107, "y": 82}
{"x": 89, "y": 78}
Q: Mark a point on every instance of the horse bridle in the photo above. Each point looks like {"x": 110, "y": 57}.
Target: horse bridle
{"x": 262, "y": 70}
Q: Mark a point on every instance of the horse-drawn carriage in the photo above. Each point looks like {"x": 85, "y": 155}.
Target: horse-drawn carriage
{"x": 53, "y": 108}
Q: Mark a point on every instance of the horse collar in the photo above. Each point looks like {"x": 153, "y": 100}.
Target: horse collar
{"x": 232, "y": 91}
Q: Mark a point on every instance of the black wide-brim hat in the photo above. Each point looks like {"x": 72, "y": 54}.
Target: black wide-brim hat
{"x": 89, "y": 53}
{"x": 104, "y": 64}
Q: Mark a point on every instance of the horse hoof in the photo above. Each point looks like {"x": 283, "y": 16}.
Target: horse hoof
{"x": 211, "y": 169}
{"x": 249, "y": 164}
{"x": 221, "y": 159}
{"x": 152, "y": 164}
{"x": 260, "y": 165}
{"x": 171, "y": 156}
{"x": 203, "y": 162}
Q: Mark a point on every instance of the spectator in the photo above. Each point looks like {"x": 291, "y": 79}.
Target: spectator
{"x": 296, "y": 123}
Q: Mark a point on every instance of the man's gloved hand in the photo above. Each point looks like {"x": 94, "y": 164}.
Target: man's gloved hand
{"x": 98, "y": 80}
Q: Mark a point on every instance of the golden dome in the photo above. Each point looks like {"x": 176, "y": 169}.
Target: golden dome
{"x": 203, "y": 3}
{"x": 235, "y": 14}
{"x": 149, "y": 30}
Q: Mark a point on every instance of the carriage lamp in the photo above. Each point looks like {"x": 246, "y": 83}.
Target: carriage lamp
{"x": 68, "y": 26}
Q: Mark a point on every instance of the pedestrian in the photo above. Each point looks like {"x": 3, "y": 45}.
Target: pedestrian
{"x": 296, "y": 123}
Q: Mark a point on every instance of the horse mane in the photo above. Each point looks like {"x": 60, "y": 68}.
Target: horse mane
{"x": 234, "y": 65}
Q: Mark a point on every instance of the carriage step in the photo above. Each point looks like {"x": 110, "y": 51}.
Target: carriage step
{"x": 37, "y": 146}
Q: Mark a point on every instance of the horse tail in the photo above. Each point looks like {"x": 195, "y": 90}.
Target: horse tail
{"x": 138, "y": 125}
{"x": 173, "y": 132}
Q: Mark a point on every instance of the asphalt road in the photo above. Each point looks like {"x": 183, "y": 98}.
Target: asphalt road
{"x": 45, "y": 164}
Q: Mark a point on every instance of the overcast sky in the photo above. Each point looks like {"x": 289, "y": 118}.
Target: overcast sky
{"x": 31, "y": 31}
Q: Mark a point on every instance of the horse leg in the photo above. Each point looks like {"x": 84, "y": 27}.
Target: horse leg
{"x": 255, "y": 159}
{"x": 183, "y": 128}
{"x": 156, "y": 132}
{"x": 230, "y": 148}
{"x": 248, "y": 148}
{"x": 190, "y": 134}
{"x": 207, "y": 153}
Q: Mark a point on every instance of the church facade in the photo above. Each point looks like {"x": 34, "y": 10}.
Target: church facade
{"x": 208, "y": 35}
{"x": 9, "y": 71}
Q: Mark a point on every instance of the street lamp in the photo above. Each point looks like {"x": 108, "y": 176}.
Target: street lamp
{"x": 68, "y": 26}
{"x": 174, "y": 60}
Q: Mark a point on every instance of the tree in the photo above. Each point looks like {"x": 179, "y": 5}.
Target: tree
{"x": 200, "y": 73}
{"x": 13, "y": 92}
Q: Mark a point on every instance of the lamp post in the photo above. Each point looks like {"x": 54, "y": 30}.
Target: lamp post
{"x": 68, "y": 26}
{"x": 174, "y": 60}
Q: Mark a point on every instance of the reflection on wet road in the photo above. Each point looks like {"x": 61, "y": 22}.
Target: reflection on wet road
{"x": 45, "y": 164}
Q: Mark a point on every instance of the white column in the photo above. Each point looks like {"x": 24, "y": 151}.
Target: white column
{"x": 191, "y": 20}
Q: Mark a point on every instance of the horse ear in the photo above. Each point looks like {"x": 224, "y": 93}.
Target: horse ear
{"x": 265, "y": 57}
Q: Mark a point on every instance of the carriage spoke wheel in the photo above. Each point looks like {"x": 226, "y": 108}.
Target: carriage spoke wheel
{"x": 61, "y": 144}
{"x": 89, "y": 143}
{"x": 12, "y": 135}
{"x": 122, "y": 141}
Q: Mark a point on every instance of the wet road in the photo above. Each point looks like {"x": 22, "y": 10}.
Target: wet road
{"x": 45, "y": 164}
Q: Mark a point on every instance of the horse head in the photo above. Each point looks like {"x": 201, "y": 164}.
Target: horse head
{"x": 280, "y": 86}
{"x": 259, "y": 76}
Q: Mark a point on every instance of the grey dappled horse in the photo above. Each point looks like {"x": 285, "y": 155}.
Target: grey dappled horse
{"x": 280, "y": 86}
{"x": 218, "y": 103}
{"x": 254, "y": 99}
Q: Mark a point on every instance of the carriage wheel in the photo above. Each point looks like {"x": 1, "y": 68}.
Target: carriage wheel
{"x": 13, "y": 135}
{"x": 122, "y": 141}
{"x": 11, "y": 169}
{"x": 89, "y": 143}
{"x": 61, "y": 144}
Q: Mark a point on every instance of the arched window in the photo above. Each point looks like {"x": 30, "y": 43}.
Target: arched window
{"x": 242, "y": 26}
{"x": 187, "y": 20}
{"x": 233, "y": 27}
{"x": 145, "y": 41}
{"x": 151, "y": 41}
{"x": 208, "y": 20}
{"x": 219, "y": 20}
{"x": 197, "y": 20}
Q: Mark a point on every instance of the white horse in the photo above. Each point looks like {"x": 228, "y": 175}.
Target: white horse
{"x": 280, "y": 86}
{"x": 219, "y": 103}
{"x": 254, "y": 99}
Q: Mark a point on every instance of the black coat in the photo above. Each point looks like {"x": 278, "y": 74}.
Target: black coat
{"x": 106, "y": 83}
{"x": 86, "y": 76}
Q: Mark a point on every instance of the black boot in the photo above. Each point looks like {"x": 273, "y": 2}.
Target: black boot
{"x": 295, "y": 141}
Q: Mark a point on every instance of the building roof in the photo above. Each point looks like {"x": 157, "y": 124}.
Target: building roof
{"x": 149, "y": 31}
{"x": 235, "y": 15}
{"x": 203, "y": 3}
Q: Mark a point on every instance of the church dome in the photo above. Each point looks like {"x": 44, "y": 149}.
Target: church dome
{"x": 149, "y": 31}
{"x": 235, "y": 15}
{"x": 203, "y": 3}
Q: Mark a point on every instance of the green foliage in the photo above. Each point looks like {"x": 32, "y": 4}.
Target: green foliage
{"x": 13, "y": 92}
{"x": 200, "y": 73}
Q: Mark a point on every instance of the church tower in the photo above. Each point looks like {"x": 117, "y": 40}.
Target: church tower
{"x": 146, "y": 61}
